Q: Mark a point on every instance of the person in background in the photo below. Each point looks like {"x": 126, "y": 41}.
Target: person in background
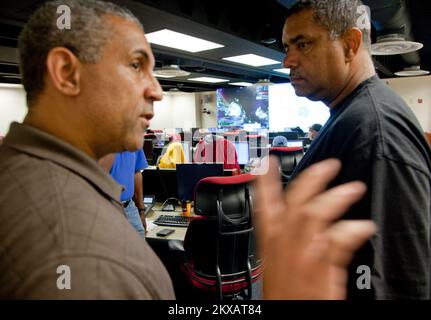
{"x": 313, "y": 131}
{"x": 377, "y": 138}
{"x": 126, "y": 168}
{"x": 173, "y": 154}
{"x": 216, "y": 149}
{"x": 279, "y": 141}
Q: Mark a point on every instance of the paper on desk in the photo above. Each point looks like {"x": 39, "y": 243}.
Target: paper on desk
{"x": 150, "y": 225}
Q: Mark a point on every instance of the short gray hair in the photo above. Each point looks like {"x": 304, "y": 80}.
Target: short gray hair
{"x": 337, "y": 16}
{"x": 88, "y": 34}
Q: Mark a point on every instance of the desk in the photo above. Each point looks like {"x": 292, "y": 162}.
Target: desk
{"x": 180, "y": 232}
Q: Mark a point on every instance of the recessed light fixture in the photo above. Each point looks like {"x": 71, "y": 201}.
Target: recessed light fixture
{"x": 181, "y": 41}
{"x": 170, "y": 71}
{"x": 241, "y": 84}
{"x": 282, "y": 70}
{"x": 393, "y": 44}
{"x": 208, "y": 80}
{"x": 411, "y": 72}
{"x": 252, "y": 60}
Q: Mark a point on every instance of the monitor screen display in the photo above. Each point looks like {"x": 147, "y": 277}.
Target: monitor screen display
{"x": 187, "y": 151}
{"x": 242, "y": 152}
{"x": 244, "y": 106}
{"x": 295, "y": 143}
{"x": 189, "y": 174}
{"x": 287, "y": 110}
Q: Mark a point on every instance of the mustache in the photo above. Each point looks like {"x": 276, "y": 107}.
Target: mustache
{"x": 295, "y": 75}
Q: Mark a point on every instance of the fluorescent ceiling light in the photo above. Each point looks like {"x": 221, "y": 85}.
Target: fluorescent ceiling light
{"x": 252, "y": 60}
{"x": 208, "y": 80}
{"x": 181, "y": 41}
{"x": 282, "y": 70}
{"x": 11, "y": 85}
{"x": 241, "y": 84}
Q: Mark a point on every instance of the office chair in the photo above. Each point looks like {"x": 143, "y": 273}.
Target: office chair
{"x": 289, "y": 158}
{"x": 218, "y": 256}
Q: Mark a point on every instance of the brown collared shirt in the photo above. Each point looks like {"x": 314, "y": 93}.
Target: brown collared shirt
{"x": 63, "y": 234}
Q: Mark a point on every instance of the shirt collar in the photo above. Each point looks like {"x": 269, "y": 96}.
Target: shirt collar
{"x": 43, "y": 145}
{"x": 346, "y": 100}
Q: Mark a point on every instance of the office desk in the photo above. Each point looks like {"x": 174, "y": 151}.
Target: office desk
{"x": 180, "y": 232}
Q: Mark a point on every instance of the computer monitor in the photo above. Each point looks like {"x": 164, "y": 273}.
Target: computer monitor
{"x": 295, "y": 143}
{"x": 242, "y": 152}
{"x": 187, "y": 151}
{"x": 148, "y": 149}
{"x": 189, "y": 174}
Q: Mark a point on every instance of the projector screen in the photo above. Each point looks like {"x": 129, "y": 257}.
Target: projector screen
{"x": 274, "y": 107}
{"x": 287, "y": 110}
{"x": 244, "y": 107}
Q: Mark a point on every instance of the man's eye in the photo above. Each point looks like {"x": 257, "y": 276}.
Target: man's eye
{"x": 303, "y": 45}
{"x": 136, "y": 65}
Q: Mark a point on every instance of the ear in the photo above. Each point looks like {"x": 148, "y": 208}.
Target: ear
{"x": 63, "y": 69}
{"x": 352, "y": 43}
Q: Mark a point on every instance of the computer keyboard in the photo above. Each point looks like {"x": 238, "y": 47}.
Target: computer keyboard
{"x": 173, "y": 221}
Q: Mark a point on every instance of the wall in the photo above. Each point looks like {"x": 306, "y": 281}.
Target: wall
{"x": 207, "y": 100}
{"x": 176, "y": 110}
{"x": 185, "y": 110}
{"x": 13, "y": 106}
{"x": 412, "y": 89}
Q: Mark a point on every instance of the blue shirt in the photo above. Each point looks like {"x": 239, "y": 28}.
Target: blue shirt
{"x": 123, "y": 170}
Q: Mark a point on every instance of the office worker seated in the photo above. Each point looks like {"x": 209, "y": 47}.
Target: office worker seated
{"x": 214, "y": 148}
{"x": 67, "y": 200}
{"x": 279, "y": 141}
{"x": 173, "y": 154}
{"x": 314, "y": 130}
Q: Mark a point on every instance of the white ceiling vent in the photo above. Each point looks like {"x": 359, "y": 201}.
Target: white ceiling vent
{"x": 170, "y": 71}
{"x": 392, "y": 44}
{"x": 411, "y": 72}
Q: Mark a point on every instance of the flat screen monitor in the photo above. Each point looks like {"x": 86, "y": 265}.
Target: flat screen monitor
{"x": 242, "y": 151}
{"x": 243, "y": 107}
{"x": 187, "y": 151}
{"x": 287, "y": 110}
{"x": 189, "y": 174}
{"x": 148, "y": 149}
{"x": 295, "y": 143}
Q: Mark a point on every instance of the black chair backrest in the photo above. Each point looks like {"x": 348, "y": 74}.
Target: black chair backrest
{"x": 288, "y": 157}
{"x": 223, "y": 237}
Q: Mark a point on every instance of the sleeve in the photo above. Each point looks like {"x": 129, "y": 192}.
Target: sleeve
{"x": 400, "y": 206}
{"x": 141, "y": 161}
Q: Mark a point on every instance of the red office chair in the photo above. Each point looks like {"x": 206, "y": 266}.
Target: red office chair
{"x": 219, "y": 251}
